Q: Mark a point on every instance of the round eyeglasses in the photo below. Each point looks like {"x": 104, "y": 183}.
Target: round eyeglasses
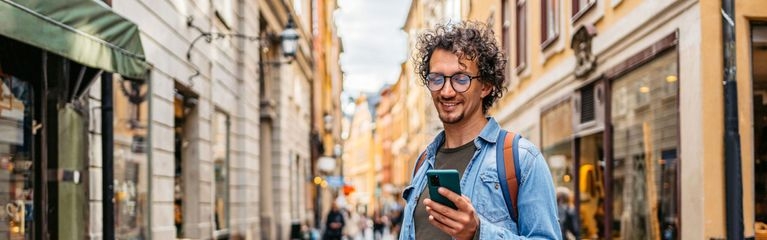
{"x": 459, "y": 81}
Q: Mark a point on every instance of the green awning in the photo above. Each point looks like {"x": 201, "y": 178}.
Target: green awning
{"x": 85, "y": 31}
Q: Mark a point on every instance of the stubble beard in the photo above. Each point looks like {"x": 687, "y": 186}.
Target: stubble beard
{"x": 446, "y": 119}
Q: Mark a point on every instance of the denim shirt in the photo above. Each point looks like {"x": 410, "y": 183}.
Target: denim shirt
{"x": 480, "y": 182}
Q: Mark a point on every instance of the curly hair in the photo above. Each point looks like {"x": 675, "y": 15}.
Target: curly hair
{"x": 470, "y": 40}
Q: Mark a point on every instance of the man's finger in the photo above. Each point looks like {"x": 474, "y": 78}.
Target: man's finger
{"x": 443, "y": 218}
{"x": 441, "y": 226}
{"x": 459, "y": 201}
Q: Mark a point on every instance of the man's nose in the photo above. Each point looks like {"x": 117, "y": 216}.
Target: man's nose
{"x": 447, "y": 89}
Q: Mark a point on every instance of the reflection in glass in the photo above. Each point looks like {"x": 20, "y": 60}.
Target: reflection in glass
{"x": 556, "y": 142}
{"x": 221, "y": 168}
{"x": 130, "y": 160}
{"x": 591, "y": 187}
{"x": 16, "y": 168}
{"x": 646, "y": 142}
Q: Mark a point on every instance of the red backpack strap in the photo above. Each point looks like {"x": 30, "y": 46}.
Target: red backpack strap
{"x": 511, "y": 172}
{"x": 419, "y": 163}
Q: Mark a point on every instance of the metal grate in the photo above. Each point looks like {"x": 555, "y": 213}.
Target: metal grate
{"x": 587, "y": 104}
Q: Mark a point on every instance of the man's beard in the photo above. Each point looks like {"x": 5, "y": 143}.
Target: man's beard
{"x": 450, "y": 119}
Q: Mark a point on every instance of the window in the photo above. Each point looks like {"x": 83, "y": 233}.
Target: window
{"x": 549, "y": 21}
{"x": 645, "y": 116}
{"x": 220, "y": 148}
{"x": 521, "y": 35}
{"x": 224, "y": 10}
{"x": 557, "y": 149}
{"x": 580, "y": 7}
{"x": 16, "y": 157}
{"x": 131, "y": 154}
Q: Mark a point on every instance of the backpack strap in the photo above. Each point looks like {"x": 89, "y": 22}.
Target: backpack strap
{"x": 508, "y": 170}
{"x": 419, "y": 162}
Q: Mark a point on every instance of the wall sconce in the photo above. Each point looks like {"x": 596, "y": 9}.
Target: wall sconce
{"x": 289, "y": 38}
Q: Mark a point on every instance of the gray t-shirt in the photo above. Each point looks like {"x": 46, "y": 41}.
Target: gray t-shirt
{"x": 447, "y": 158}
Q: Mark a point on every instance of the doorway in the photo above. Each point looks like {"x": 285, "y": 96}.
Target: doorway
{"x": 184, "y": 102}
{"x": 591, "y": 185}
{"x": 759, "y": 78}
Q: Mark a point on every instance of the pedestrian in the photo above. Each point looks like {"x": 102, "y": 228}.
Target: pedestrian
{"x": 568, "y": 222}
{"x": 334, "y": 224}
{"x": 379, "y": 222}
{"x": 463, "y": 68}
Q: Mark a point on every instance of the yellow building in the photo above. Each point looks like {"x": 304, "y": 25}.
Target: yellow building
{"x": 359, "y": 156}
{"x": 326, "y": 110}
{"x": 625, "y": 99}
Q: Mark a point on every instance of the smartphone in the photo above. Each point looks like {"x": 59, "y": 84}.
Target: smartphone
{"x": 447, "y": 178}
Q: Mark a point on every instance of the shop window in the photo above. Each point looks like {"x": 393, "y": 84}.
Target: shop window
{"x": 130, "y": 159}
{"x": 645, "y": 144}
{"x": 557, "y": 145}
{"x": 220, "y": 147}
{"x": 16, "y": 158}
{"x": 591, "y": 187}
{"x": 759, "y": 73}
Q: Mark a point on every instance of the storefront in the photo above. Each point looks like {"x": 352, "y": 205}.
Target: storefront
{"x": 623, "y": 180}
{"x": 51, "y": 145}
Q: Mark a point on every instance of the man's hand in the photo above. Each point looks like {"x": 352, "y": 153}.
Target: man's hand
{"x": 461, "y": 223}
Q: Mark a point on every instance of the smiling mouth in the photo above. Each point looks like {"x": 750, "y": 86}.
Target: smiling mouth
{"x": 449, "y": 106}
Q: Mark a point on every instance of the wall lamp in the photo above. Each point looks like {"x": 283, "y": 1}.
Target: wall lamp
{"x": 288, "y": 37}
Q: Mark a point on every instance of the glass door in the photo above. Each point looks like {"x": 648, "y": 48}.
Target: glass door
{"x": 591, "y": 185}
{"x": 759, "y": 68}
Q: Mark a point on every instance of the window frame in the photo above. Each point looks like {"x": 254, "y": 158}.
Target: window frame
{"x": 224, "y": 230}
{"x": 546, "y": 39}
{"x": 579, "y": 10}
{"x": 520, "y": 36}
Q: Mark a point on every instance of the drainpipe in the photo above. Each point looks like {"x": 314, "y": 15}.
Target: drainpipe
{"x": 732, "y": 164}
{"x": 107, "y": 155}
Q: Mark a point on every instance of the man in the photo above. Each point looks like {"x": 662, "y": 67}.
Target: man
{"x": 334, "y": 223}
{"x": 463, "y": 68}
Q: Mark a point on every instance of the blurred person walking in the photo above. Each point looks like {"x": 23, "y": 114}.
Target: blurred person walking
{"x": 334, "y": 224}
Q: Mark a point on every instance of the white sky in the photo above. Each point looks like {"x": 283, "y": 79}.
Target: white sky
{"x": 374, "y": 43}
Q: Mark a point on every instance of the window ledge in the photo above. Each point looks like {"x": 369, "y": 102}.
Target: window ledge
{"x": 577, "y": 16}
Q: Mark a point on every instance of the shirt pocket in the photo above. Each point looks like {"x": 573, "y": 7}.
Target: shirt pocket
{"x": 491, "y": 204}
{"x": 407, "y": 192}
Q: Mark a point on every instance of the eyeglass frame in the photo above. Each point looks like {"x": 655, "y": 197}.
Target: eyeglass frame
{"x": 452, "y": 81}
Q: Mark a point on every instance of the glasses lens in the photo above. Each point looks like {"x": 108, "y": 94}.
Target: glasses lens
{"x": 461, "y": 82}
{"x": 435, "y": 81}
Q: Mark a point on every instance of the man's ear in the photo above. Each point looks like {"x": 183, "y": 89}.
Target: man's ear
{"x": 486, "y": 89}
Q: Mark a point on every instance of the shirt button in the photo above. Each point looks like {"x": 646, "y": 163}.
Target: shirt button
{"x": 496, "y": 186}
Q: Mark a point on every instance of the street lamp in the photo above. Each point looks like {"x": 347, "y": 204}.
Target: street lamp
{"x": 288, "y": 37}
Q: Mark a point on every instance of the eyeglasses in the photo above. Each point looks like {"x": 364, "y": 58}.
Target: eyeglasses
{"x": 459, "y": 81}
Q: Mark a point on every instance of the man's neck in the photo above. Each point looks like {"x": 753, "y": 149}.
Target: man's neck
{"x": 458, "y": 134}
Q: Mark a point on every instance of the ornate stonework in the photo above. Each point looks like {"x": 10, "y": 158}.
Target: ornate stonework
{"x": 585, "y": 60}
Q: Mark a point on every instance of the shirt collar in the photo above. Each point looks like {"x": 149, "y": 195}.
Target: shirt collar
{"x": 490, "y": 132}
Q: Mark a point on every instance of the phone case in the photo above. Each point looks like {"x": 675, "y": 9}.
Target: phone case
{"x": 447, "y": 178}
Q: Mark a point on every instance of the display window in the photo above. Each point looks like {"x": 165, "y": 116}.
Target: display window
{"x": 645, "y": 139}
{"x": 16, "y": 160}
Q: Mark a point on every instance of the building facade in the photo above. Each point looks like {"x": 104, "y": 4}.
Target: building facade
{"x": 619, "y": 97}
{"x": 202, "y": 132}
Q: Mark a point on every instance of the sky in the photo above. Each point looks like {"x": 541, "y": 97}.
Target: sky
{"x": 374, "y": 43}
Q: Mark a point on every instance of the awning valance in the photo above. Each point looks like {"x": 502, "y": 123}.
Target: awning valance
{"x": 85, "y": 31}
